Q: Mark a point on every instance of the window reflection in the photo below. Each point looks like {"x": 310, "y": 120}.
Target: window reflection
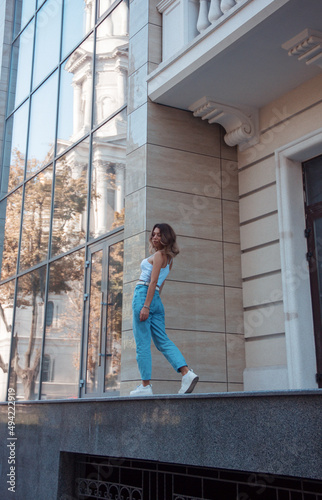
{"x": 114, "y": 318}
{"x": 24, "y": 11}
{"x": 79, "y": 16}
{"x": 75, "y": 99}
{"x": 36, "y": 219}
{"x": 103, "y": 6}
{"x": 7, "y": 291}
{"x": 47, "y": 44}
{"x": 108, "y": 175}
{"x": 63, "y": 336}
{"x": 111, "y": 64}
{"x": 42, "y": 125}
{"x": 28, "y": 331}
{"x": 70, "y": 202}
{"x": 10, "y": 209}
{"x": 21, "y": 65}
{"x": 15, "y": 149}
{"x": 95, "y": 323}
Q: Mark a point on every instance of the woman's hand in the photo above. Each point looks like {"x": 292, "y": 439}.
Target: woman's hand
{"x": 144, "y": 314}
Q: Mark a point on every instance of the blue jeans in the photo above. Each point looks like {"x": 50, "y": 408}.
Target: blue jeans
{"x": 153, "y": 327}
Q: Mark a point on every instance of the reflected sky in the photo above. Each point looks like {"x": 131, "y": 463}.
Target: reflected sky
{"x": 47, "y": 45}
{"x": 14, "y": 158}
{"x": 75, "y": 15}
{"x": 25, "y": 9}
{"x": 20, "y": 79}
{"x": 42, "y": 124}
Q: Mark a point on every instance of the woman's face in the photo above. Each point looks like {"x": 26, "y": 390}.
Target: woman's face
{"x": 156, "y": 238}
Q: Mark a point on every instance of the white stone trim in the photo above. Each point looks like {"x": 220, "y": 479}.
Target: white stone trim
{"x": 219, "y": 36}
{"x": 306, "y": 46}
{"x": 299, "y": 333}
{"x": 241, "y": 125}
{"x": 266, "y": 378}
{"x": 164, "y": 4}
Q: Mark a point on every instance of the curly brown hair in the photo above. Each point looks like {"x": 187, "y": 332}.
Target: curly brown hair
{"x": 168, "y": 240}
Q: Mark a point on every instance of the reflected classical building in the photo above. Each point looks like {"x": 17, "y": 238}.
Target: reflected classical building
{"x": 117, "y": 114}
{"x": 86, "y": 99}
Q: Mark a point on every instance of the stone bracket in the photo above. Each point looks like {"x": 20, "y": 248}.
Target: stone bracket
{"x": 241, "y": 124}
{"x": 306, "y": 46}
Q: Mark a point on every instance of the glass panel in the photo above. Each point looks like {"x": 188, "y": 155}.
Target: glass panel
{"x": 10, "y": 210}
{"x": 108, "y": 176}
{"x": 75, "y": 99}
{"x": 70, "y": 212}
{"x": 28, "y": 331}
{"x": 7, "y": 291}
{"x": 24, "y": 11}
{"x": 42, "y": 125}
{"x": 36, "y": 219}
{"x": 95, "y": 323}
{"x": 313, "y": 179}
{"x": 47, "y": 46}
{"x": 111, "y": 64}
{"x": 103, "y": 6}
{"x": 21, "y": 65}
{"x": 78, "y": 20}
{"x": 15, "y": 149}
{"x": 63, "y": 336}
{"x": 114, "y": 318}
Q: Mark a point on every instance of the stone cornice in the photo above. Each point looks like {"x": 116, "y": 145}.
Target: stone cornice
{"x": 241, "y": 124}
{"x": 164, "y": 4}
{"x": 306, "y": 46}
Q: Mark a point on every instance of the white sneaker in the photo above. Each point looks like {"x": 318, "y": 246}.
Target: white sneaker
{"x": 142, "y": 390}
{"x": 189, "y": 381}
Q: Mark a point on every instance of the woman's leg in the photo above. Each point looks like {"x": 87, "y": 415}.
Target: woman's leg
{"x": 142, "y": 335}
{"x": 162, "y": 341}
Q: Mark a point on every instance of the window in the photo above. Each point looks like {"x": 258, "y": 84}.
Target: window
{"x": 52, "y": 205}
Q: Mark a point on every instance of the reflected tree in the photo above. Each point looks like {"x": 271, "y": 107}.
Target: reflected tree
{"x": 70, "y": 205}
{"x": 31, "y": 291}
{"x": 66, "y": 276}
{"x": 70, "y": 199}
{"x": 114, "y": 325}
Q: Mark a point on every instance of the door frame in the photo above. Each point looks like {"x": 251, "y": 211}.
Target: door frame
{"x": 296, "y": 293}
{"x": 104, "y": 245}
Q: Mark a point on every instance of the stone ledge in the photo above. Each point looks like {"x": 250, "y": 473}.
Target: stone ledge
{"x": 210, "y": 395}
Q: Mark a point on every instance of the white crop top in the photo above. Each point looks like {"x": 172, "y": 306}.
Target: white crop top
{"x": 146, "y": 270}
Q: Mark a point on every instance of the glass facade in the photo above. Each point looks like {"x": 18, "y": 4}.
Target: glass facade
{"x": 62, "y": 199}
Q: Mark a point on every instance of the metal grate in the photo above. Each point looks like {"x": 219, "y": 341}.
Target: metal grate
{"x": 180, "y": 497}
{"x": 89, "y": 488}
{"x": 131, "y": 479}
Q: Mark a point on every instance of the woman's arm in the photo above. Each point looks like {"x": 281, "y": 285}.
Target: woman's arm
{"x": 157, "y": 264}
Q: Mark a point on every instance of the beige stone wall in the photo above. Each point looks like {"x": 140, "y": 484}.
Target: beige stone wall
{"x": 285, "y": 120}
{"x": 180, "y": 171}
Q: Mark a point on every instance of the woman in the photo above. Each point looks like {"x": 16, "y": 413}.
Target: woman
{"x": 148, "y": 312}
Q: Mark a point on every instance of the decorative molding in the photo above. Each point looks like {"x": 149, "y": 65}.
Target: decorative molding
{"x": 241, "y": 125}
{"x": 306, "y": 46}
{"x": 164, "y": 4}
